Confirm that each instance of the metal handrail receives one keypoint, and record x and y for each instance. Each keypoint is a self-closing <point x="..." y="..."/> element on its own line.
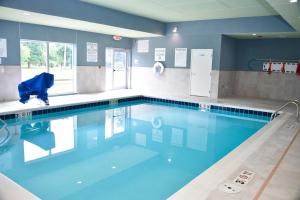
<point x="5" y="124"/>
<point x="4" y="127"/>
<point x="295" y="102"/>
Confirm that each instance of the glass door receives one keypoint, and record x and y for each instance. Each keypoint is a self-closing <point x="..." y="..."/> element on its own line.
<point x="119" y="67"/>
<point x="62" y="66"/>
<point x="53" y="57"/>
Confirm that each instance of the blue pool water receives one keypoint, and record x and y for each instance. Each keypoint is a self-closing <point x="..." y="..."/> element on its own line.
<point x="133" y="151"/>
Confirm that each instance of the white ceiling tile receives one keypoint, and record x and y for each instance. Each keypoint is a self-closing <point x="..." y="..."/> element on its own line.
<point x="184" y="10"/>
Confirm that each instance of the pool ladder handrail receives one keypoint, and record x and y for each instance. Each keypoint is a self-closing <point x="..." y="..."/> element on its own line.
<point x="4" y="124"/>
<point x="4" y="127"/>
<point x="294" y="102"/>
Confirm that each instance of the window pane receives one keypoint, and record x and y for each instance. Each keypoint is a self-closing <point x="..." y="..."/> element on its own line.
<point x="61" y="65"/>
<point x="33" y="58"/>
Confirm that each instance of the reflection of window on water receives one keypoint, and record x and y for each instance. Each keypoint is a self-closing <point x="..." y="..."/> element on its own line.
<point x="114" y="122"/>
<point x="41" y="142"/>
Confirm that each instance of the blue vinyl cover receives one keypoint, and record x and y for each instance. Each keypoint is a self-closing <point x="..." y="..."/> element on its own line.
<point x="38" y="85"/>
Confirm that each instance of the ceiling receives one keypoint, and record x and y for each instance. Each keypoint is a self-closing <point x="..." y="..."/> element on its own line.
<point x="61" y="22"/>
<point x="288" y="11"/>
<point x="279" y="35"/>
<point x="170" y="11"/>
<point x="189" y="10"/>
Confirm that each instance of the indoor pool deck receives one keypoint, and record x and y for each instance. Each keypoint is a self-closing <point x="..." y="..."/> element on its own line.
<point x="272" y="153"/>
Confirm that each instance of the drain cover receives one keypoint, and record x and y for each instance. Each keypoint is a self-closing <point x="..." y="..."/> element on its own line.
<point x="229" y="188"/>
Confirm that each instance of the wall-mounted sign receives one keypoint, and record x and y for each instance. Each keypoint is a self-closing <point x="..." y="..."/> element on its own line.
<point x="180" y="57"/>
<point x="143" y="46"/>
<point x="160" y="54"/>
<point x="3" y="48"/>
<point x="91" y="52"/>
<point x="117" y="37"/>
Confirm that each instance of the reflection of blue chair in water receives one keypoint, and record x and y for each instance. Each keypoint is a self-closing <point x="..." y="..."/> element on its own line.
<point x="38" y="85"/>
<point x="39" y="135"/>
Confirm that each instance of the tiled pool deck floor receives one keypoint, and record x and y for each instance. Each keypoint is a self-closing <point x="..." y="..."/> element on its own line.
<point x="272" y="153"/>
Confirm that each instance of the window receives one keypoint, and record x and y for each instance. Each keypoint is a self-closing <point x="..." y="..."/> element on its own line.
<point x="33" y="58"/>
<point x="53" y="57"/>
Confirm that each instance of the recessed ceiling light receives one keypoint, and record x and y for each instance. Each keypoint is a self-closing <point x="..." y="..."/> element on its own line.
<point x="175" y="29"/>
<point x="254" y="34"/>
<point x="293" y="1"/>
<point x="26" y="14"/>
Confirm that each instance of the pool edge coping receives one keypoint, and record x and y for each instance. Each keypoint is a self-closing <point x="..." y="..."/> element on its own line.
<point x="196" y="185"/>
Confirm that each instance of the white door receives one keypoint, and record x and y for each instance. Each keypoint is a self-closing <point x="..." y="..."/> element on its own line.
<point x="201" y="66"/>
<point x="119" y="69"/>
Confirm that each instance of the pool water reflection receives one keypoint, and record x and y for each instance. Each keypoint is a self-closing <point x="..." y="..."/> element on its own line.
<point x="140" y="151"/>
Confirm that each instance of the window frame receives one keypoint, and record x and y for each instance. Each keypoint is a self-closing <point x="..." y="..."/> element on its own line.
<point x="74" y="61"/>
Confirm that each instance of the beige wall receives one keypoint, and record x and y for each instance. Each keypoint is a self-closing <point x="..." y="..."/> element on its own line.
<point x="173" y="81"/>
<point x="10" y="77"/>
<point x="262" y="85"/>
<point x="91" y="79"/>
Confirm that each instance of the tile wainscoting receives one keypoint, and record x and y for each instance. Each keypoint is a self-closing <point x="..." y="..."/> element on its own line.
<point x="262" y="85"/>
<point x="10" y="77"/>
<point x="91" y="79"/>
<point x="176" y="81"/>
<point x="173" y="81"/>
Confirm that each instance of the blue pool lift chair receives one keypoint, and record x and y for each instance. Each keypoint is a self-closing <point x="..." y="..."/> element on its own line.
<point x="39" y="134"/>
<point x="38" y="86"/>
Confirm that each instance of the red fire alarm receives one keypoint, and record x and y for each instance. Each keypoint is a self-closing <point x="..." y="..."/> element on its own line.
<point x="117" y="37"/>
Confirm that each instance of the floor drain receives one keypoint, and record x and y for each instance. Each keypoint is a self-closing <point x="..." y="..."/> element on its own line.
<point x="229" y="188"/>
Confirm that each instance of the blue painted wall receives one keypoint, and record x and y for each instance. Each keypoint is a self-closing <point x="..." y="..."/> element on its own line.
<point x="208" y="34"/>
<point x="10" y="31"/>
<point x="173" y="41"/>
<point x="103" y="42"/>
<point x="234" y="25"/>
<point x="16" y="31"/>
<point x="76" y="9"/>
<point x="228" y="54"/>
<point x="46" y="33"/>
<point x="264" y="48"/>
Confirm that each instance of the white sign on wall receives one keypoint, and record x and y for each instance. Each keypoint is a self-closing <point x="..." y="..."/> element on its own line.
<point x="160" y="54"/>
<point x="180" y="57"/>
<point x="91" y="52"/>
<point x="3" y="48"/>
<point x="143" y="46"/>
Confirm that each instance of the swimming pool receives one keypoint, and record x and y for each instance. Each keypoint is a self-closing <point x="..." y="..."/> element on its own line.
<point x="134" y="150"/>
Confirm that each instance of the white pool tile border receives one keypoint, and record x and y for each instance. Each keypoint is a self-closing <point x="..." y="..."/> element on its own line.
<point x="10" y="190"/>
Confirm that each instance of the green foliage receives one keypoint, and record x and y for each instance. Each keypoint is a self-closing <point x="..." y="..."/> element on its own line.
<point x="60" y="55"/>
<point x="34" y="54"/>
